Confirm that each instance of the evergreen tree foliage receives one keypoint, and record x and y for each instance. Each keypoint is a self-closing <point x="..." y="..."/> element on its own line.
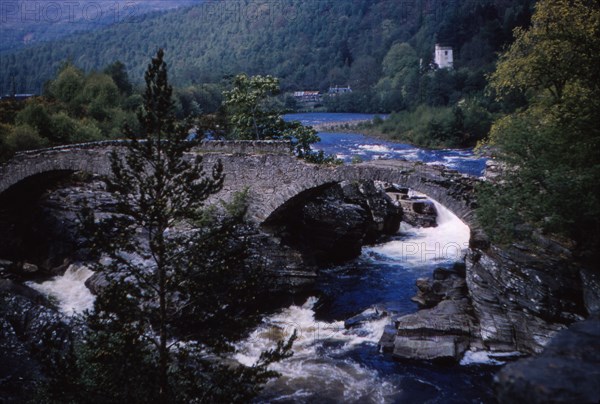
<point x="118" y="72"/>
<point x="176" y="288"/>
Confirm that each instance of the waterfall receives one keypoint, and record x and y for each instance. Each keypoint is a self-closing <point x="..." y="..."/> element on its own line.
<point x="416" y="247"/>
<point x="69" y="290"/>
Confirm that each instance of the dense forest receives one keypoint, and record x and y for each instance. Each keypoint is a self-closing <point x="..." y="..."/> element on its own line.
<point x="25" y="23"/>
<point x="383" y="49"/>
<point x="308" y="44"/>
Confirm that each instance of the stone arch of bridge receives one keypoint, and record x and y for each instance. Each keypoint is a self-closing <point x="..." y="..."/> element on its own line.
<point x="450" y="189"/>
<point x="273" y="177"/>
<point x="29" y="165"/>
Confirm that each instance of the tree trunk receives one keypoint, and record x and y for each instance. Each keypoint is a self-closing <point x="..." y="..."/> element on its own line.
<point x="162" y="296"/>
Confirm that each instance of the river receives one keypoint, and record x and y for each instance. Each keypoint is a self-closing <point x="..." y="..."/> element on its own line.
<point x="348" y="145"/>
<point x="332" y="364"/>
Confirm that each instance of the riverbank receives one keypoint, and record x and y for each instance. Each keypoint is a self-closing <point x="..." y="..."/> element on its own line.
<point x="428" y="127"/>
<point x="411" y="136"/>
<point x="375" y="128"/>
<point x="350" y="126"/>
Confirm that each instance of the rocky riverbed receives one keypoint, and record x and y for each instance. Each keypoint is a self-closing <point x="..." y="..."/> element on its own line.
<point x="523" y="297"/>
<point x="357" y="213"/>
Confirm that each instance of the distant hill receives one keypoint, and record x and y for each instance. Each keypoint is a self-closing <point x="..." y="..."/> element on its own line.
<point x="310" y="44"/>
<point x="27" y="22"/>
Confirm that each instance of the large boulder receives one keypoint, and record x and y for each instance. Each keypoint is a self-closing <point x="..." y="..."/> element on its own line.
<point x="441" y="333"/>
<point x="384" y="215"/>
<point x="445" y="285"/>
<point x="443" y="329"/>
<point x="332" y="225"/>
<point x="568" y="370"/>
<point x="334" y="230"/>
<point x="523" y="294"/>
<point x="419" y="211"/>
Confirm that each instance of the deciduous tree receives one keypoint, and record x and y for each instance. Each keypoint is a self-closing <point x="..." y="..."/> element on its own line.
<point x="551" y="147"/>
<point x="251" y="117"/>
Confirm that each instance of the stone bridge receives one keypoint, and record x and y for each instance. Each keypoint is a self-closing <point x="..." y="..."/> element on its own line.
<point x="519" y="297"/>
<point x="273" y="177"/>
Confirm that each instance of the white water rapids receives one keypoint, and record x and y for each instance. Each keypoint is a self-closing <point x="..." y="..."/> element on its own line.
<point x="423" y="246"/>
<point x="323" y="366"/>
<point x="310" y="369"/>
<point x="320" y="367"/>
<point x="69" y="290"/>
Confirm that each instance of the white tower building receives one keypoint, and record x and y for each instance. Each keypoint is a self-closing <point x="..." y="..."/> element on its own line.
<point x="443" y="57"/>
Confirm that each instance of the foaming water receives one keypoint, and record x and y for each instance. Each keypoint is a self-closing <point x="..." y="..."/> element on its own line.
<point x="376" y="148"/>
<point x="310" y="332"/>
<point x="443" y="244"/>
<point x="69" y="290"/>
<point x="334" y="364"/>
<point x="487" y="357"/>
<point x="319" y="368"/>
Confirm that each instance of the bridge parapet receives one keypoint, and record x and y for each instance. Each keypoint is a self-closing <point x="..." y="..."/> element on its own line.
<point x="93" y="157"/>
<point x="282" y="147"/>
<point x="208" y="146"/>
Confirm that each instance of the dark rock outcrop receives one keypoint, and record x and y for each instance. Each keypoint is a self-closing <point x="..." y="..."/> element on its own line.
<point x="331" y="226"/>
<point x="445" y="285"/>
<point x="568" y="370"/>
<point x="59" y="217"/>
<point x="332" y="230"/>
<point x="384" y="215"/>
<point x="524" y="294"/>
<point x="40" y="221"/>
<point x="442" y="331"/>
<point x="27" y="325"/>
<point x="591" y="290"/>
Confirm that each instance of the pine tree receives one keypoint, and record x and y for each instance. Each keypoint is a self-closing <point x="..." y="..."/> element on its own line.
<point x="169" y="271"/>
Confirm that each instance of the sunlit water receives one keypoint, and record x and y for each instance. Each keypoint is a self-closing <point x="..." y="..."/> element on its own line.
<point x="347" y="146"/>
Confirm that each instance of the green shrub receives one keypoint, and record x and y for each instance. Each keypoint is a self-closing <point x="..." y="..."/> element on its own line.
<point x="25" y="137"/>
